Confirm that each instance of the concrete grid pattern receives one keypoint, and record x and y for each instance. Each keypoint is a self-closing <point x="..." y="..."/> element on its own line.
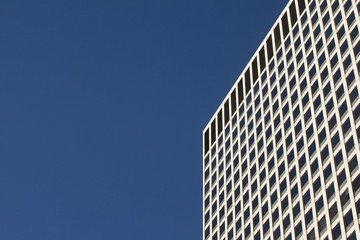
<point x="281" y="153"/>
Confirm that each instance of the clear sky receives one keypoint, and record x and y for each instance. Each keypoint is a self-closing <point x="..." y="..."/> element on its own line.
<point x="103" y="104"/>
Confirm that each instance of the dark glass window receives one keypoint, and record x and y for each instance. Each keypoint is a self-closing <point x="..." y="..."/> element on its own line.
<point x="319" y="204"/>
<point x="264" y="209"/>
<point x="305" y="100"/>
<point x="327" y="172"/>
<point x="330" y="191"/>
<point x="314" y="167"/>
<point x="262" y="174"/>
<point x="349" y="145"/>
<point x="266" y="227"/>
<point x="284" y="204"/>
<point x="292" y="173"/>
<point x="312" y="72"/>
<point x="316" y="185"/>
<point x="304" y="179"/>
<point x="317" y="103"/>
<point x="300" y="144"/>
<point x="296" y="210"/>
<point x="270" y="52"/>
<point x="329" y="106"/>
<point x="322" y="136"/>
<point x="308" y="44"/>
<point x="324" y="154"/>
<point x="272" y="180"/>
<point x="306" y="198"/>
<point x="274" y="197"/>
<point x="275" y="215"/>
<point x="348" y="219"/>
<point x="309" y="132"/>
<point x="254" y="70"/>
<point x="294" y="192"/>
<point x="309" y="217"/>
<point x="353" y="164"/>
<point x="327" y="89"/>
<point x="262" y="59"/>
<point x="356" y="184"/>
<point x="317" y="30"/>
<point x="293" y="15"/>
<point x="324" y="74"/>
<point x="336" y="232"/>
<point x="247" y="81"/>
<point x="307" y="115"/>
<point x="344" y="198"/>
<point x="298" y="229"/>
<point x="306" y="31"/>
<point x="322" y="224"/>
<point x="346" y="126"/>
<point x="319" y="119"/>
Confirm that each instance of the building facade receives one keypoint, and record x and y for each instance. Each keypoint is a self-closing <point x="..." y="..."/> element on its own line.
<point x="281" y="154"/>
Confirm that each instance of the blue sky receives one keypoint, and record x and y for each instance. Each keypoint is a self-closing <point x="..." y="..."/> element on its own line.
<point x="103" y="104"/>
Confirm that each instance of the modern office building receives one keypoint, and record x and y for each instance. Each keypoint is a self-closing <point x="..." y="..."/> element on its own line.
<point x="281" y="154"/>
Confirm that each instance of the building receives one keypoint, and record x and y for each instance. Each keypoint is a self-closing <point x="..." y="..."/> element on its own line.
<point x="281" y="154"/>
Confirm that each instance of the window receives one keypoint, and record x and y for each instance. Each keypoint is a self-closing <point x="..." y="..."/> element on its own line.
<point x="269" y="48"/>
<point x="332" y="122"/>
<point x="317" y="185"/>
<point x="324" y="154"/>
<point x="356" y="184"/>
<point x="294" y="192"/>
<point x="336" y="232"/>
<point x="263" y="191"/>
<point x="266" y="227"/>
<point x="349" y="145"/>
<point x="314" y="167"/>
<point x="308" y="44"/>
<point x="319" y="119"/>
<point x="277" y="233"/>
<point x="298" y="229"/>
<point x="305" y="31"/>
<point x="272" y="180"/>
<point x="262" y="175"/>
<point x="344" y="198"/>
<point x="319" y="45"/>
<point x="309" y="132"/>
<point x="327" y="89"/>
<point x="306" y="200"/>
<point x="305" y="100"/>
<point x="304" y="179"/>
<point x="283" y="186"/>
<point x="329" y="106"/>
<point x="327" y="172"/>
<point x="324" y="74"/>
<point x="265" y="209"/>
<point x="330" y="191"/>
<point x="247" y="81"/>
<point x="275" y="215"/>
<point x="307" y="115"/>
<point x="308" y="217"/>
<point x="296" y="210"/>
<point x="284" y="204"/>
<point x="348" y="219"/>
<point x="353" y="164"/>
<point x="317" y="103"/>
<point x="319" y="204"/>
<point x="322" y="136"/>
<point x="322" y="225"/>
<point x="354" y="33"/>
<point x="292" y="174"/>
<point x="300" y="145"/>
<point x="317" y="31"/>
